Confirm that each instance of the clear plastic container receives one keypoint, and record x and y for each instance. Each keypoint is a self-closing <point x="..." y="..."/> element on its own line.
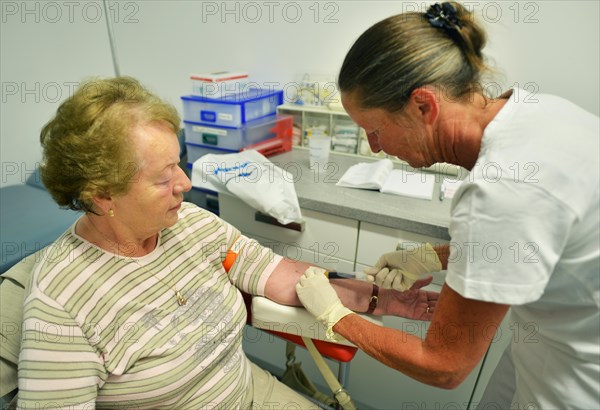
<point x="269" y="136"/>
<point x="232" y="110"/>
<point x="237" y="138"/>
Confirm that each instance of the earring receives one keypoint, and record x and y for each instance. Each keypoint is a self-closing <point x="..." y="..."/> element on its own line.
<point x="111" y="213"/>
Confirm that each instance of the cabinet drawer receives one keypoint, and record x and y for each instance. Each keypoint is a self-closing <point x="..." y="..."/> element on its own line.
<point x="375" y="240"/>
<point x="324" y="234"/>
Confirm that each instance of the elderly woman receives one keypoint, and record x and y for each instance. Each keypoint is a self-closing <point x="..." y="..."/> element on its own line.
<point x="132" y="306"/>
<point x="413" y="82"/>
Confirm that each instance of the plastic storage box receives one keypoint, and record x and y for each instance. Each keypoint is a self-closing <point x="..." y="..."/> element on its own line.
<point x="237" y="138"/>
<point x="232" y="110"/>
<point x="269" y="136"/>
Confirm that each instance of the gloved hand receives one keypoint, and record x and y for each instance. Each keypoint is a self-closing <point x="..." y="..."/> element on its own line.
<point x="319" y="298"/>
<point x="401" y="269"/>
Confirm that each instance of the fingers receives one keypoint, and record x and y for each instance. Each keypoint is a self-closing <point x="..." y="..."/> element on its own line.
<point x="420" y="283"/>
<point x="382" y="262"/>
<point x="380" y="276"/>
<point x="430" y="305"/>
<point x="377" y="270"/>
<point x="432" y="296"/>
<point x="400" y="283"/>
<point x="391" y="279"/>
<point x="312" y="276"/>
<point x="314" y="271"/>
<point x="372" y="271"/>
<point x="384" y="279"/>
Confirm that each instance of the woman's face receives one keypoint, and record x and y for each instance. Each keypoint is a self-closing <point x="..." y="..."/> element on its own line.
<point x="395" y="134"/>
<point x="156" y="194"/>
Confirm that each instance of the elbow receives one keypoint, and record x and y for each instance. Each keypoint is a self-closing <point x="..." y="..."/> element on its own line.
<point x="449" y="382"/>
<point x="449" y="378"/>
<point x="445" y="369"/>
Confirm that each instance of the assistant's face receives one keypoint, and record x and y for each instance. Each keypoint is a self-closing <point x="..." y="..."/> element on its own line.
<point x="395" y="134"/>
<point x="156" y="194"/>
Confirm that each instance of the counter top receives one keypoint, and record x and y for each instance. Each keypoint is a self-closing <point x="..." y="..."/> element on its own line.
<point x="317" y="191"/>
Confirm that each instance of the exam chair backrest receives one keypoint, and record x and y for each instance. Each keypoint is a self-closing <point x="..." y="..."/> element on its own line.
<point x="12" y="291"/>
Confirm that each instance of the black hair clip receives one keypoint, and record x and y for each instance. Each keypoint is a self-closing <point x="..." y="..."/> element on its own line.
<point x="443" y="16"/>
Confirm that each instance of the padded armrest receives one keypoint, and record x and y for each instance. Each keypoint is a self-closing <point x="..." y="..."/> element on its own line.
<point x="269" y="315"/>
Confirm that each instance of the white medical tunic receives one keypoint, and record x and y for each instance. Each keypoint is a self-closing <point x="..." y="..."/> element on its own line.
<point x="524" y="232"/>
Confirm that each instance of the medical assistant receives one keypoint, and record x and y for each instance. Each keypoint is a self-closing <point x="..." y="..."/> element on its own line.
<point x="525" y="232"/>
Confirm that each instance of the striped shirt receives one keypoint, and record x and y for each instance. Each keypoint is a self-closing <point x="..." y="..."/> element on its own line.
<point x="103" y="330"/>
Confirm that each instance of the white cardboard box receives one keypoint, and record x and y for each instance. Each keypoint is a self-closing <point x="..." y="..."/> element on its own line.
<point x="219" y="84"/>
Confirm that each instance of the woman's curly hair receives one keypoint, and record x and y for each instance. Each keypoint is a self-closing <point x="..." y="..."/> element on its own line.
<point x="87" y="150"/>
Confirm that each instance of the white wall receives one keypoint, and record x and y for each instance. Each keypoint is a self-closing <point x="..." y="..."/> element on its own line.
<point x="48" y="47"/>
<point x="45" y="52"/>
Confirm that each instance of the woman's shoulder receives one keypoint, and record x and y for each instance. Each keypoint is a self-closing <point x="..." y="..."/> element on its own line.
<point x="193" y="218"/>
<point x="68" y="251"/>
<point x="191" y="212"/>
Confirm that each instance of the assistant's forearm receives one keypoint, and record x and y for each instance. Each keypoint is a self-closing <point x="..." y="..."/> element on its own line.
<point x="443" y="252"/>
<point x="456" y="340"/>
<point x="399" y="350"/>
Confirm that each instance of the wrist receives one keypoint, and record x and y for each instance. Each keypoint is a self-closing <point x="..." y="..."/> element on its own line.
<point x="373" y="300"/>
<point x="383" y="302"/>
<point x="331" y="317"/>
<point x="384" y="297"/>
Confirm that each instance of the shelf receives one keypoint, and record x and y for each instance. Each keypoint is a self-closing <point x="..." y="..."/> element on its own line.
<point x="309" y="119"/>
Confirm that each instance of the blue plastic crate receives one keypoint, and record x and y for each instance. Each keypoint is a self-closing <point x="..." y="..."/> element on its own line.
<point x="232" y="110"/>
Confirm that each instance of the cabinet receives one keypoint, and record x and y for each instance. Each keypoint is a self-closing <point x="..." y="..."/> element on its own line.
<point x="375" y="240"/>
<point x="327" y="240"/>
<point x="346" y="136"/>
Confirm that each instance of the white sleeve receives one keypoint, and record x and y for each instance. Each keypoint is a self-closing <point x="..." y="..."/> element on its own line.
<point x="506" y="238"/>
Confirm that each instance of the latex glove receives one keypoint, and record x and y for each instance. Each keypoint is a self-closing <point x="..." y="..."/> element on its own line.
<point x="401" y="269"/>
<point x="320" y="299"/>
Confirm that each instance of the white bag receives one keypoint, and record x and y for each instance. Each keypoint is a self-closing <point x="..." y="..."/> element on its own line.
<point x="254" y="179"/>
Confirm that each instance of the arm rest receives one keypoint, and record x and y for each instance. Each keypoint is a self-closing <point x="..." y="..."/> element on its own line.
<point x="293" y="320"/>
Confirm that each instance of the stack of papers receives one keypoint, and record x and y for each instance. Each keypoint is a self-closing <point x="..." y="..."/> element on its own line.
<point x="382" y="176"/>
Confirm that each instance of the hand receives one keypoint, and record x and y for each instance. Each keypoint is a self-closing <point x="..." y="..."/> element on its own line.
<point x="413" y="303"/>
<point x="320" y="299"/>
<point x="401" y="269"/>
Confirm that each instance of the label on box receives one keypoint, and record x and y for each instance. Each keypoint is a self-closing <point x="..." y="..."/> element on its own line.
<point x="225" y="117"/>
<point x="210" y="136"/>
<point x="210" y="139"/>
<point x="209" y="116"/>
<point x="209" y="130"/>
